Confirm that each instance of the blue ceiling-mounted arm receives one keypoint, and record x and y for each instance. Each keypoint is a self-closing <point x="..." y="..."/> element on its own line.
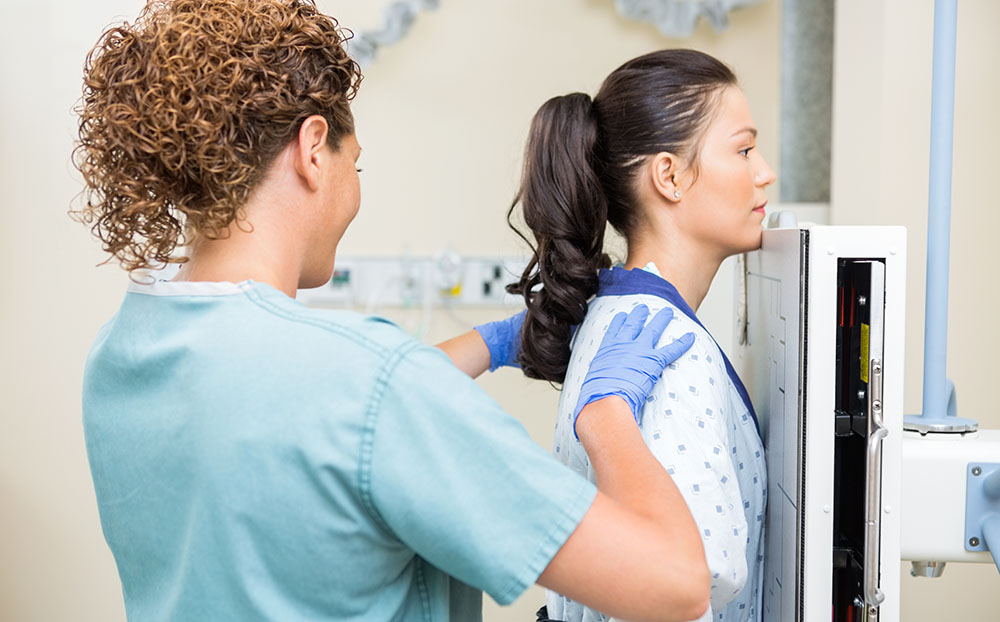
<point x="939" y="403"/>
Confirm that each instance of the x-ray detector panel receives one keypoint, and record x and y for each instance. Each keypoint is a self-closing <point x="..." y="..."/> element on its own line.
<point x="821" y="354"/>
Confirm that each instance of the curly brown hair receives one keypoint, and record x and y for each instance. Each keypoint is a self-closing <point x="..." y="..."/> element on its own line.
<point x="184" y="109"/>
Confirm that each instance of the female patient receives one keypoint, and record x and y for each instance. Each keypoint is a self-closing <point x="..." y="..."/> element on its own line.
<point x="664" y="153"/>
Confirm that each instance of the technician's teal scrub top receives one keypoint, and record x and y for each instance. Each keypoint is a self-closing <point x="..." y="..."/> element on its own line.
<point x="255" y="459"/>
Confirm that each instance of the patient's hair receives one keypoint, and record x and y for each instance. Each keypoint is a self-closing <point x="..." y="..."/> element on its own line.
<point x="579" y="175"/>
<point x="184" y="110"/>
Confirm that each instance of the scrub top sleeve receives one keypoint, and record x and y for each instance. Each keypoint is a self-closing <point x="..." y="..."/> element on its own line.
<point x="462" y="484"/>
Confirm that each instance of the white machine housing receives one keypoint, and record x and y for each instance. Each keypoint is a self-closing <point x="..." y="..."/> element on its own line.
<point x="789" y="362"/>
<point x="934" y="494"/>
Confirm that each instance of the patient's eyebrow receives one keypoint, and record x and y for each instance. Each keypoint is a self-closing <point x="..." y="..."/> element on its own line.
<point x="751" y="130"/>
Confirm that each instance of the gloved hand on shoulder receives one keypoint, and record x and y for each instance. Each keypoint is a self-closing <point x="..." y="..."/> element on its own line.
<point x="628" y="363"/>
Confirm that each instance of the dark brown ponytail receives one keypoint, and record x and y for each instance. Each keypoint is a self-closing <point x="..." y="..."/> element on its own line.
<point x="564" y="206"/>
<point x="579" y="173"/>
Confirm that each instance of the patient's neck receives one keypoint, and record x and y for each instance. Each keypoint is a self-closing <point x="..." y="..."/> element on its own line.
<point x="688" y="266"/>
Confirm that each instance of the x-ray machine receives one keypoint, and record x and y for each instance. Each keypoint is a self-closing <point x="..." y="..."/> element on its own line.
<point x="854" y="487"/>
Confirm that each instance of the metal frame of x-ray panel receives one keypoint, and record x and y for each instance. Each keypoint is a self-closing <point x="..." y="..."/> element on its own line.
<point x="793" y="297"/>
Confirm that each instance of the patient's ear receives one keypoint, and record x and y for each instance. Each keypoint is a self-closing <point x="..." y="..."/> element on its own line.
<point x="310" y="153"/>
<point x="663" y="170"/>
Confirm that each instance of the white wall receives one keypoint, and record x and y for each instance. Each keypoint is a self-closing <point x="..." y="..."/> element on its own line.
<point x="54" y="564"/>
<point x="881" y="146"/>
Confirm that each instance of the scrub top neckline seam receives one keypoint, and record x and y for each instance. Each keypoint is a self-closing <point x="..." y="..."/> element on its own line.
<point x="166" y="288"/>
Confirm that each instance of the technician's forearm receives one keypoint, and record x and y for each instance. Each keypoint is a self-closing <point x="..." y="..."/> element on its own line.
<point x="467" y="352"/>
<point x="627" y="472"/>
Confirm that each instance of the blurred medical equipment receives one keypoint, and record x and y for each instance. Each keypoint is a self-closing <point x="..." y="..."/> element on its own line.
<point x="446" y="278"/>
<point x="854" y="486"/>
<point x="396" y="23"/>
<point x="674" y="18"/>
<point x="678" y="18"/>
<point x="445" y="281"/>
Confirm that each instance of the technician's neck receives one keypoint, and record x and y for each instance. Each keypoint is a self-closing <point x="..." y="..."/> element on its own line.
<point x="242" y="256"/>
<point x="689" y="268"/>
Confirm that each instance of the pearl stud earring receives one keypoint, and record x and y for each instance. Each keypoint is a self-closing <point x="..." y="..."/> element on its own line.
<point x="677" y="194"/>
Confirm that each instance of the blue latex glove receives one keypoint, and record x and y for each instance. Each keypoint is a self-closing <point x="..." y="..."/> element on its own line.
<point x="503" y="338"/>
<point x="628" y="363"/>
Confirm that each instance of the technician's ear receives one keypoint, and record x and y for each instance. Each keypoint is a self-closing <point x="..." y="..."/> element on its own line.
<point x="664" y="169"/>
<point x="310" y="155"/>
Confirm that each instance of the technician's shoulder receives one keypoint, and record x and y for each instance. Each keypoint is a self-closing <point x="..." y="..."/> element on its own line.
<point x="367" y="331"/>
<point x="338" y="328"/>
<point x="404" y="359"/>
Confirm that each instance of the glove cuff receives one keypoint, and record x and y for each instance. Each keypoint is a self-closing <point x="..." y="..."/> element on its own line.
<point x="587" y="398"/>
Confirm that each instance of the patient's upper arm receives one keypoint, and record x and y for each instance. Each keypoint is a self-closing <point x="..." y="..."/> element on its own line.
<point x="686" y="426"/>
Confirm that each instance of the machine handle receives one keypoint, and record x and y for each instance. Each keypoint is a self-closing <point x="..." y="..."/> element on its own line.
<point x="877" y="432"/>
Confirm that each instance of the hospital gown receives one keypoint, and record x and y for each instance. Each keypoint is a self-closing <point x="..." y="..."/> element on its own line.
<point x="699" y="423"/>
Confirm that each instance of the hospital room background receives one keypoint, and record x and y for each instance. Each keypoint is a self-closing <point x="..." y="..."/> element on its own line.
<point x="840" y="92"/>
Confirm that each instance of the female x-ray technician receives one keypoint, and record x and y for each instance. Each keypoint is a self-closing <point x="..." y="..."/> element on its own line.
<point x="254" y="459"/>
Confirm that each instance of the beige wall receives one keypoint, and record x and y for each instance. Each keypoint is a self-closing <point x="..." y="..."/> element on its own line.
<point x="442" y="117"/>
<point x="880" y="176"/>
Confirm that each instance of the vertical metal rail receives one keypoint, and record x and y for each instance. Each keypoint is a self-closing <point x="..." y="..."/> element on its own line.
<point x="938" y="397"/>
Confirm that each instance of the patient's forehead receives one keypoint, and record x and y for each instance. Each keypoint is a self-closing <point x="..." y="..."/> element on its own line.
<point x="732" y="116"/>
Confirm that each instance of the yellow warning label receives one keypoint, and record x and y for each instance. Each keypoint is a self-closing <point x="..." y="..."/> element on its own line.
<point x="864" y="353"/>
